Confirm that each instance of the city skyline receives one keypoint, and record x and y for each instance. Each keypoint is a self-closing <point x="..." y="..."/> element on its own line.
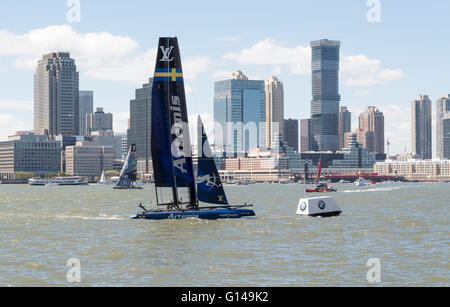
<point x="375" y="68"/>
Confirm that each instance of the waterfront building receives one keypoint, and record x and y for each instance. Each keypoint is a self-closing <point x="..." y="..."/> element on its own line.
<point x="372" y="120"/>
<point x="86" y="106"/>
<point x="88" y="159"/>
<point x="27" y="152"/>
<point x="291" y="130"/>
<point x="56" y="95"/>
<point x="274" y="110"/>
<point x="325" y="93"/>
<point x="239" y="108"/>
<point x="99" y="121"/>
<point x="139" y="132"/>
<point x="415" y="169"/>
<point x="305" y="135"/>
<point x="443" y="127"/>
<point x="345" y="125"/>
<point x="421" y="127"/>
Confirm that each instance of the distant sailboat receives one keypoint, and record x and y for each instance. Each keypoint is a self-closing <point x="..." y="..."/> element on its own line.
<point x="171" y="150"/>
<point x="102" y="178"/>
<point x="128" y="175"/>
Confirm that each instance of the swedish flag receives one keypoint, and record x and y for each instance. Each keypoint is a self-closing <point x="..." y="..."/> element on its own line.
<point x="168" y="74"/>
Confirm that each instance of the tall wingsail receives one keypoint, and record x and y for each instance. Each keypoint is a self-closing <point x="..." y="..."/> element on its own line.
<point x="128" y="174"/>
<point x="209" y="185"/>
<point x="171" y="146"/>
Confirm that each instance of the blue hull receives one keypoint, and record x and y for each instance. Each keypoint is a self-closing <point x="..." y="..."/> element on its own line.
<point x="204" y="214"/>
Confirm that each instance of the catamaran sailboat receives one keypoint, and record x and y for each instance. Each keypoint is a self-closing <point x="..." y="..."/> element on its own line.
<point x="177" y="190"/>
<point x="128" y="175"/>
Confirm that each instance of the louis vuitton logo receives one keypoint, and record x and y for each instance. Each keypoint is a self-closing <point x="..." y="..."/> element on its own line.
<point x="166" y="54"/>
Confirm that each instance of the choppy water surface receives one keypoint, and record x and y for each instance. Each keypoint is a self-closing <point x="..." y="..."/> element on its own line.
<point x="406" y="226"/>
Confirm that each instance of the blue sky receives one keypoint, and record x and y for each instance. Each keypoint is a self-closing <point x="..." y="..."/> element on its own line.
<point x="386" y="64"/>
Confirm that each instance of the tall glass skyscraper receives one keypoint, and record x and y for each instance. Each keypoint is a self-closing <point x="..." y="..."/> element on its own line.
<point x="240" y="102"/>
<point x="56" y="95"/>
<point x="325" y="92"/>
<point x="86" y="107"/>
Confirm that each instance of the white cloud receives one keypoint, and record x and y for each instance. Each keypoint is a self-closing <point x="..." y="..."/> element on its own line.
<point x="222" y="74"/>
<point x="270" y="52"/>
<point x="358" y="70"/>
<point x="99" y="55"/>
<point x="18" y="105"/>
<point x="9" y="125"/>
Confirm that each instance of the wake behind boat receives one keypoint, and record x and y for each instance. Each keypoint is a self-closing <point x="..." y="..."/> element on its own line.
<point x="176" y="187"/>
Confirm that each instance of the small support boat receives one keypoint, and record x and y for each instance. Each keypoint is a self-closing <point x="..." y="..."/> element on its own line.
<point x="321" y="187"/>
<point x="178" y="191"/>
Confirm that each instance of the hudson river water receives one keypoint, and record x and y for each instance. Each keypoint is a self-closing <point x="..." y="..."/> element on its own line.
<point x="405" y="226"/>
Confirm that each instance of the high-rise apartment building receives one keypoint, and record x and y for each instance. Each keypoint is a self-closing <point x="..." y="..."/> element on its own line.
<point x="291" y="133"/>
<point x="86" y="106"/>
<point x="421" y="127"/>
<point x="274" y="110"/>
<point x="443" y="127"/>
<point x="372" y="120"/>
<point x="139" y="132"/>
<point x="325" y="92"/>
<point x="239" y="107"/>
<point x="345" y="125"/>
<point x="56" y="95"/>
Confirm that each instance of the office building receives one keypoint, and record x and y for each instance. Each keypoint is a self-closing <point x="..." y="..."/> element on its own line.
<point x="27" y="152"/>
<point x="86" y="106"/>
<point x="274" y="110"/>
<point x="355" y="156"/>
<point x="326" y="98"/>
<point x="345" y="125"/>
<point x="291" y="130"/>
<point x="88" y="159"/>
<point x="305" y="135"/>
<point x="99" y="121"/>
<point x="139" y="132"/>
<point x="56" y="95"/>
<point x="421" y="127"/>
<point x="239" y="107"/>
